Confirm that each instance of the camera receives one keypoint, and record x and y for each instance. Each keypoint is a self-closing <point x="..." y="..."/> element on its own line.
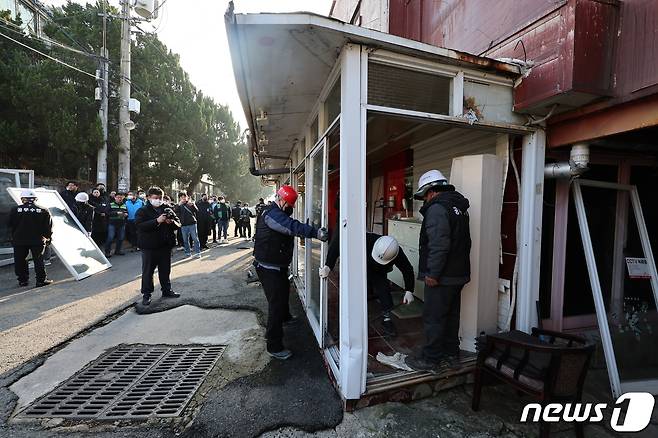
<point x="171" y="214"/>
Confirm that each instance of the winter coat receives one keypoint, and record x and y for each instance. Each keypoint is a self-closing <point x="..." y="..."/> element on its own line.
<point x="101" y="207"/>
<point x="222" y="212"/>
<point x="86" y="216"/>
<point x="445" y="240"/>
<point x="376" y="269"/>
<point x="69" y="198"/>
<point x="275" y="236"/>
<point x="117" y="213"/>
<point x="150" y="233"/>
<point x="132" y="206"/>
<point x="30" y="225"/>
<point x="187" y="213"/>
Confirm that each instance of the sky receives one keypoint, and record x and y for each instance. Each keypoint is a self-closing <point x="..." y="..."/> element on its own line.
<point x="195" y="30"/>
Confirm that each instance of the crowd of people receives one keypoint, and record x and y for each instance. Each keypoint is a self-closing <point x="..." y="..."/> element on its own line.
<point x="110" y="218"/>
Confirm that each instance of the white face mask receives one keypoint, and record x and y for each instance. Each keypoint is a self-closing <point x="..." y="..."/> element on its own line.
<point x="156" y="202"/>
<point x="131" y="197"/>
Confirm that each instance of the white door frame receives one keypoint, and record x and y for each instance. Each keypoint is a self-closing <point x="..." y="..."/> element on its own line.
<point x="618" y="387"/>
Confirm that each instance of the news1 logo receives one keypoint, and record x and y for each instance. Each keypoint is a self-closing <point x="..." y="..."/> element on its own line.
<point x="638" y="412"/>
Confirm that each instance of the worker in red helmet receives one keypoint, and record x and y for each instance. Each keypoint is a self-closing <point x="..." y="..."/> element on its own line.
<point x="273" y="248"/>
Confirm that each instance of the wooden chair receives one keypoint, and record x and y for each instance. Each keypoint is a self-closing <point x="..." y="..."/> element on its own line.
<point x="547" y="365"/>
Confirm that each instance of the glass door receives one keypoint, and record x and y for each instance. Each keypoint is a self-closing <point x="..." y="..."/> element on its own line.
<point x="626" y="308"/>
<point x="316" y="211"/>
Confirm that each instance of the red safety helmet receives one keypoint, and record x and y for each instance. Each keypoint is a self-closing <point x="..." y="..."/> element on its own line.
<point x="288" y="194"/>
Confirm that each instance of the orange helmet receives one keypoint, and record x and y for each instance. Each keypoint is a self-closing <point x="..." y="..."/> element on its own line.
<point x="288" y="194"/>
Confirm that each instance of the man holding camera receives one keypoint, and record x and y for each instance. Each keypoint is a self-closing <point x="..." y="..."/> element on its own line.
<point x="156" y="235"/>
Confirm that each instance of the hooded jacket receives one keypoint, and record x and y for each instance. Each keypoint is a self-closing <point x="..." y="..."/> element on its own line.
<point x="445" y="240"/>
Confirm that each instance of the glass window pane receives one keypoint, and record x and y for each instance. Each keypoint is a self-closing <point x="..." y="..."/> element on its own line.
<point x="28" y="17"/>
<point x="333" y="102"/>
<point x="8" y="5"/>
<point x="314" y="246"/>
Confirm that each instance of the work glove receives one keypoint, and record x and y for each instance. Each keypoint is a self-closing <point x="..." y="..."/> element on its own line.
<point x="408" y="297"/>
<point x="324" y="271"/>
<point x="323" y="234"/>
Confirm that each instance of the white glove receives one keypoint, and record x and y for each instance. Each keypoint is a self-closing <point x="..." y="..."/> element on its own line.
<point x="408" y="298"/>
<point x="324" y="271"/>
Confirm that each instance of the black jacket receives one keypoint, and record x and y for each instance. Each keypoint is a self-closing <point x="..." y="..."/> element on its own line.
<point x="235" y="212"/>
<point x="222" y="212"/>
<point x="151" y="234"/>
<point x="205" y="213"/>
<point x="69" y="197"/>
<point x="187" y="213"/>
<point x="30" y="225"/>
<point x="86" y="215"/>
<point x="101" y="207"/>
<point x="445" y="240"/>
<point x="375" y="269"/>
<point x="275" y="236"/>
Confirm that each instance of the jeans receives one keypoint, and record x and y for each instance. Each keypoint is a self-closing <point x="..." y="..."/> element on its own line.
<point x="441" y="321"/>
<point x="156" y="258"/>
<point x="223" y="228"/>
<point x="277" y="290"/>
<point x="118" y="232"/>
<point x="20" y="262"/>
<point x="190" y="231"/>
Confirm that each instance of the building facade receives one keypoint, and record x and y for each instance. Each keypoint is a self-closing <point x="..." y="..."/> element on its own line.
<point x="33" y="15"/>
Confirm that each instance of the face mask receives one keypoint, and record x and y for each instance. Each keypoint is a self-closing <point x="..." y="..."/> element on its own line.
<point x="142" y="196"/>
<point x="131" y="197"/>
<point x="288" y="210"/>
<point x="156" y="202"/>
<point x="222" y="202"/>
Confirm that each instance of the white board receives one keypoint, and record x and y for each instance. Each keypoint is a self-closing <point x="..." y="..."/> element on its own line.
<point x="71" y="243"/>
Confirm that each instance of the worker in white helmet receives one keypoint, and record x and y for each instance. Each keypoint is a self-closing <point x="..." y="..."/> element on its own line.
<point x="31" y="228"/>
<point x="385" y="253"/>
<point x="444" y="266"/>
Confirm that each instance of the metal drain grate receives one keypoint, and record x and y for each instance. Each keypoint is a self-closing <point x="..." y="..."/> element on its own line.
<point x="130" y="382"/>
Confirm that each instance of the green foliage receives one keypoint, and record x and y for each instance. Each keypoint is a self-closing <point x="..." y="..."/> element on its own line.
<point x="49" y="118"/>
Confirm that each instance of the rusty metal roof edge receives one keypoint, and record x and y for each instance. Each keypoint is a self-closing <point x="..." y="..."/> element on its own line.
<point x="369" y="36"/>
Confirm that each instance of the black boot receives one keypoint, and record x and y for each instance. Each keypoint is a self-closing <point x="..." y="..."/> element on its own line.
<point x="146" y="299"/>
<point x="43" y="283"/>
<point x="388" y="326"/>
<point x="170" y="294"/>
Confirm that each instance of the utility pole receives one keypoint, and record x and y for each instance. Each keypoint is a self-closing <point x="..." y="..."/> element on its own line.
<point x="101" y="163"/>
<point x="123" y="184"/>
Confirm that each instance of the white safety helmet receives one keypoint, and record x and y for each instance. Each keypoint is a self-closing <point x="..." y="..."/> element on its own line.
<point x="386" y="249"/>
<point x="82" y="197"/>
<point x="28" y="193"/>
<point x="432" y="179"/>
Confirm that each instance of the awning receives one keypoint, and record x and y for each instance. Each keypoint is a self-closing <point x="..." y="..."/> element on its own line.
<point x="282" y="61"/>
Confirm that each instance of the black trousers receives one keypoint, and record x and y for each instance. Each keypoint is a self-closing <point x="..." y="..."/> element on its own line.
<point x="156" y="258"/>
<point x="381" y="287"/>
<point x="20" y="262"/>
<point x="203" y="230"/>
<point x="246" y="228"/>
<point x="213" y="224"/>
<point x="237" y="228"/>
<point x="131" y="233"/>
<point x="277" y="290"/>
<point x="441" y="321"/>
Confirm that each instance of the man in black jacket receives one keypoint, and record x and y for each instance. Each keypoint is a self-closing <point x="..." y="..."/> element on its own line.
<point x="444" y="265"/>
<point x="205" y="220"/>
<point x="68" y="195"/>
<point x="235" y="214"/>
<point x="31" y="228"/>
<point x="187" y="212"/>
<point x="385" y="253"/>
<point x="156" y="235"/>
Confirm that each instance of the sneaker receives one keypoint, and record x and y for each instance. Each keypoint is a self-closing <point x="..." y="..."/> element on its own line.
<point x="146" y="299"/>
<point x="187" y="254"/>
<point x="292" y="321"/>
<point x="170" y="294"/>
<point x="108" y="254"/>
<point x="47" y="263"/>
<point x="389" y="327"/>
<point x="420" y="364"/>
<point x="281" y="355"/>
<point x="198" y="256"/>
<point x="23" y="283"/>
<point x="43" y="283"/>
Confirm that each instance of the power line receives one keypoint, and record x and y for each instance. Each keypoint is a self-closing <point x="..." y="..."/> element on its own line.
<point x="48" y="56"/>
<point x="7" y="25"/>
